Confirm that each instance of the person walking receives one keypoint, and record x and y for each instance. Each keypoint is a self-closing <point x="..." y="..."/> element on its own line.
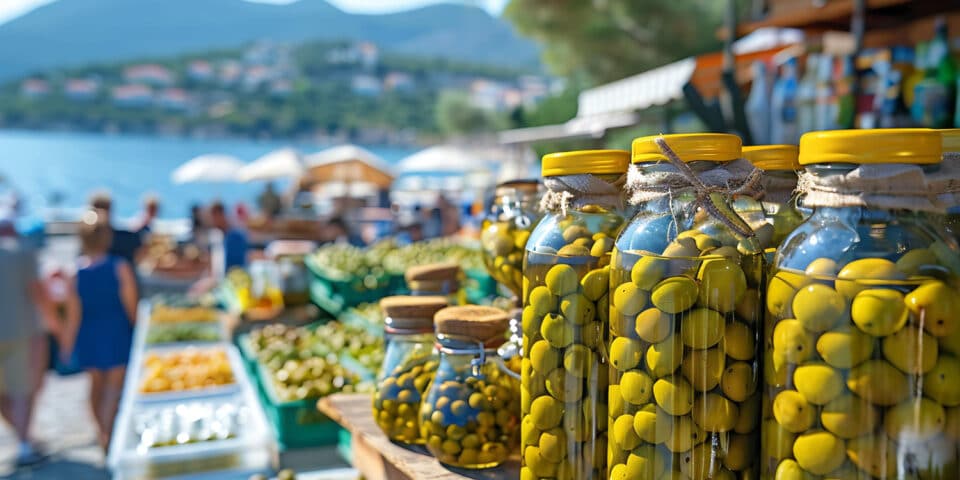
<point x="23" y="347"/>
<point x="101" y="310"/>
<point x="124" y="243"/>
<point x="228" y="245"/>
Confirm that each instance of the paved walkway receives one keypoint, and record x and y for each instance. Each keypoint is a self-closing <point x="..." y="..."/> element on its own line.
<point x="64" y="425"/>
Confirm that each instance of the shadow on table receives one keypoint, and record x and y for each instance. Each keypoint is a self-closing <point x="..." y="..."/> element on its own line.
<point x="57" y="469"/>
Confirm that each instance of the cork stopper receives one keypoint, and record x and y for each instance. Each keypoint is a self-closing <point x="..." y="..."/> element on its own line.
<point x="483" y="324"/>
<point x="433" y="272"/>
<point x="405" y="312"/>
<point x="524" y="187"/>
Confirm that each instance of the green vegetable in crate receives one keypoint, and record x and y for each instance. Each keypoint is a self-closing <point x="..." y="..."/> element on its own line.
<point x="862" y="316"/>
<point x="471" y="415"/>
<point x="179" y="332"/>
<point x="408" y="367"/>
<point x="684" y="290"/>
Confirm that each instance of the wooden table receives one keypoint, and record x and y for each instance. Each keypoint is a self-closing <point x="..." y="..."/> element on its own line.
<point x="377" y="458"/>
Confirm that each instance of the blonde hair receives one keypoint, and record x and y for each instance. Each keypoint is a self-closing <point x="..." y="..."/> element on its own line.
<point x="95" y="232"/>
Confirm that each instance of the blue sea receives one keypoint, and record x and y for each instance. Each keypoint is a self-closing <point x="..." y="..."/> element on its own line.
<point x="41" y="166"/>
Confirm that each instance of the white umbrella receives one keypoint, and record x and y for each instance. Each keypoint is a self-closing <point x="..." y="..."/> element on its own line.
<point x="349" y="164"/>
<point x="445" y="159"/>
<point x="212" y="167"/>
<point x="282" y="163"/>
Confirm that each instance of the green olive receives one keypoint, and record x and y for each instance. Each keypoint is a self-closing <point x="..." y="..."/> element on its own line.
<point x="918" y="419"/>
<point x="911" y="262"/>
<point x="789" y="469"/>
<point x="650" y="426"/>
<point x="879" y="311"/>
<point x="878" y="382"/>
<point x="646" y="461"/>
<point x="819" y="452"/>
<point x="596" y="283"/>
<point x="543" y="357"/>
<point x="738" y="382"/>
<point x="873" y="454"/>
<point x="818" y="307"/>
<point x="781" y="290"/>
<point x="702" y="328"/>
<point x="629" y="300"/>
<point x="684" y="435"/>
<point x="822" y="267"/>
<point x="553" y="445"/>
<point x="778" y="441"/>
<point x="674" y="395"/>
<point x="546" y="412"/>
<point x="942" y="383"/>
<point x="539" y="466"/>
<point x="699" y="463"/>
<point x="714" y="413"/>
<point x="722" y="284"/>
<point x="577" y="308"/>
<point x="674" y="294"/>
<point x="791" y="341"/>
<point x="653" y="325"/>
<point x="561" y="280"/>
<point x="818" y="382"/>
<point x="564" y="386"/>
<point x="623" y="433"/>
<point x="738" y="341"/>
<point x="740" y="452"/>
<point x="845" y="347"/>
<point x="849" y="416"/>
<point x="703" y="368"/>
<point x="854" y="277"/>
<point x="793" y="412"/>
<point x="541" y="301"/>
<point x="579" y="360"/>
<point x="647" y="272"/>
<point x="625" y="353"/>
<point x="952" y="426"/>
<point x="937" y="306"/>
<point x="749" y="416"/>
<point x="663" y="358"/>
<point x="911" y="350"/>
<point x="556" y="330"/>
<point x="636" y="387"/>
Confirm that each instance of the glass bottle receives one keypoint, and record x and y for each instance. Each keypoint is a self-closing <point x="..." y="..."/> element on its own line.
<point x="860" y="372"/>
<point x="408" y="366"/>
<point x="443" y="279"/>
<point x="566" y="279"/>
<point x="781" y="205"/>
<point x="685" y="287"/>
<point x="471" y="415"/>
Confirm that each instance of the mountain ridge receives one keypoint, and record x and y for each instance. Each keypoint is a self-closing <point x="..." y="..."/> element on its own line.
<point x="93" y="31"/>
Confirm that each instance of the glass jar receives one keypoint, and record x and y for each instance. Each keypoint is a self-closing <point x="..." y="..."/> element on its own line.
<point x="781" y="204"/>
<point x="505" y="231"/>
<point x="565" y="271"/>
<point x="408" y="366"/>
<point x="861" y="374"/>
<point x="684" y="325"/>
<point x="471" y="416"/>
<point x="951" y="153"/>
<point x="442" y="279"/>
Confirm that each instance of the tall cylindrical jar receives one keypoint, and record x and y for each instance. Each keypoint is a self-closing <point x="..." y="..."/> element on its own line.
<point x="566" y="279"/>
<point x="471" y="415"/>
<point x="443" y="279"/>
<point x="684" y="317"/>
<point x="781" y="204"/>
<point x="861" y="374"/>
<point x="506" y="229"/>
<point x="409" y="364"/>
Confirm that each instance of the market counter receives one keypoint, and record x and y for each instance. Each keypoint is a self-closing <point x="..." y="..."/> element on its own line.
<point x="376" y="457"/>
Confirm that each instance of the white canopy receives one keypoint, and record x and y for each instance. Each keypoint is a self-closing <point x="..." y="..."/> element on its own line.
<point x="349" y="164"/>
<point x="446" y="159"/>
<point x="212" y="167"/>
<point x="282" y="163"/>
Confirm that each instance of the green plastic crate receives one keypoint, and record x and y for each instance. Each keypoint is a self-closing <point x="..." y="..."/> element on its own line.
<point x="334" y="293"/>
<point x="297" y="423"/>
<point x="479" y="285"/>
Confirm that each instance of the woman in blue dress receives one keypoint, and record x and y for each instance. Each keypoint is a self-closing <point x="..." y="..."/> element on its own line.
<point x="101" y="310"/>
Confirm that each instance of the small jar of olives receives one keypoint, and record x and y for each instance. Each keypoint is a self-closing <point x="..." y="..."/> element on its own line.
<point x="503" y="236"/>
<point x="471" y="415"/>
<point x="862" y="341"/>
<point x="437" y="279"/>
<point x="781" y="204"/>
<point x="566" y="279"/>
<point x="684" y="323"/>
<point x="408" y="365"/>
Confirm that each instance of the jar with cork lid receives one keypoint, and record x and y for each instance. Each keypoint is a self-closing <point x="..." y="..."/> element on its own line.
<point x="471" y="415"/>
<point x="442" y="279"/>
<point x="408" y="366"/>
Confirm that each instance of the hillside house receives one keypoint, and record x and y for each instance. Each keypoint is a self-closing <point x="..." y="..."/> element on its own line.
<point x="34" y="88"/>
<point x="149" y="74"/>
<point x="132" y="95"/>
<point x="81" y="89"/>
<point x="200" y="70"/>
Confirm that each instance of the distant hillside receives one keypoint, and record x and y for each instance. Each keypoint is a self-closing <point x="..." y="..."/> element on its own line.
<point x="75" y="32"/>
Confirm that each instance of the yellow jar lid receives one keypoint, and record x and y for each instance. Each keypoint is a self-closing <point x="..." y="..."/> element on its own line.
<point x="773" y="157"/>
<point x="951" y="140"/>
<point x="919" y="146"/>
<point x="716" y="147"/>
<point x="579" y="162"/>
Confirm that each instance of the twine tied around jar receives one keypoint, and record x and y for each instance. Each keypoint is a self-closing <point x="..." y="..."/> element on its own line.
<point x="577" y="191"/>
<point x="949" y="194"/>
<point x="896" y="186"/>
<point x="712" y="188"/>
<point x="777" y="189"/>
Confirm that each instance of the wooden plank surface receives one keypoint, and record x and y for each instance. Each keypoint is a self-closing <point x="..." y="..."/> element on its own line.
<point x="377" y="458"/>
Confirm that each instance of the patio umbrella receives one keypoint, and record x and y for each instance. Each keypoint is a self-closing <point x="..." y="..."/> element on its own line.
<point x="282" y="163"/>
<point x="212" y="167"/>
<point x="348" y="164"/>
<point x="442" y="159"/>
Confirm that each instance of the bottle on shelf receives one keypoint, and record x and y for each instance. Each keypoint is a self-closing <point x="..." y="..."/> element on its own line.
<point x="807" y="96"/>
<point x="758" y="104"/>
<point x="826" y="101"/>
<point x="846" y="110"/>
<point x="783" y="105"/>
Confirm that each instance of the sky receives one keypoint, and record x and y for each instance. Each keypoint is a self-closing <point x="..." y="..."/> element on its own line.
<point x="13" y="8"/>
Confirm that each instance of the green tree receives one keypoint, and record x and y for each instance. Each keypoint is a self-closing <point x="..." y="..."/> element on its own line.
<point x="607" y="40"/>
<point x="456" y="115"/>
